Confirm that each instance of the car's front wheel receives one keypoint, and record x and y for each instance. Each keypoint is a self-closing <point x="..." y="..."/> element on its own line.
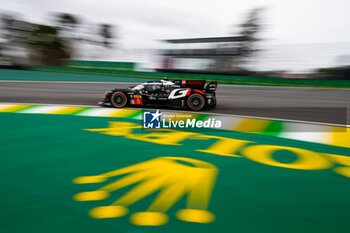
<point x="196" y="102"/>
<point x="119" y="99"/>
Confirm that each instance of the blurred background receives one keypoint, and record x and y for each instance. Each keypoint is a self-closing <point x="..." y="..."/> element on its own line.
<point x="288" y="39"/>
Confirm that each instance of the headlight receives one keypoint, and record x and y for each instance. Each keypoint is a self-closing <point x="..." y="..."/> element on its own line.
<point x="107" y="93"/>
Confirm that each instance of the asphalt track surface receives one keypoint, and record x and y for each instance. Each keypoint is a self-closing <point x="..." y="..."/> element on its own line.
<point x="324" y="105"/>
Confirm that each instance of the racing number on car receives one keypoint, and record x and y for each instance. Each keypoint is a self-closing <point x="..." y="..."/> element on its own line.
<point x="178" y="93"/>
<point x="137" y="100"/>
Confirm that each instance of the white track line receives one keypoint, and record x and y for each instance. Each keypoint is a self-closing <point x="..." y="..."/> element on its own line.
<point x="206" y="113"/>
<point x="63" y="105"/>
<point x="5" y="105"/>
<point x="97" y="112"/>
<point x="41" y="109"/>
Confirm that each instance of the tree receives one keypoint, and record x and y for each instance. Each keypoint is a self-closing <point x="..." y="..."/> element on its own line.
<point x="14" y="30"/>
<point x="47" y="47"/>
<point x="105" y="31"/>
<point x="65" y="20"/>
<point x="249" y="31"/>
<point x="246" y="37"/>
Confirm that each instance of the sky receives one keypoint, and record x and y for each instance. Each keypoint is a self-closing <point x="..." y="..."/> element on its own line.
<point x="141" y="22"/>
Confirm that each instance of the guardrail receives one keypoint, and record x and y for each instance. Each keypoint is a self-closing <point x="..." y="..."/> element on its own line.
<point x="224" y="79"/>
<point x="100" y="64"/>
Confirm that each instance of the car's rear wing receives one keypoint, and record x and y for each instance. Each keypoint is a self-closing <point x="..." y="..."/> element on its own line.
<point x="195" y="84"/>
<point x="211" y="87"/>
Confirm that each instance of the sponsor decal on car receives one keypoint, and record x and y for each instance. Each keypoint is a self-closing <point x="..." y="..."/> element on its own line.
<point x="137" y="100"/>
<point x="196" y="82"/>
<point x="179" y="93"/>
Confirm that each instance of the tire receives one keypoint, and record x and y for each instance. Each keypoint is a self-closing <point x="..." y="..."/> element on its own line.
<point x="119" y="99"/>
<point x="215" y="103"/>
<point x="196" y="102"/>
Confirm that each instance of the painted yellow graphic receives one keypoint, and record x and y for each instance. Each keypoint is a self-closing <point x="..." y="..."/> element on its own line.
<point x="172" y="177"/>
<point x="231" y="147"/>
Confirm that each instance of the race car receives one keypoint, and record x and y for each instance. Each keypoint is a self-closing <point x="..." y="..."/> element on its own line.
<point x="192" y="94"/>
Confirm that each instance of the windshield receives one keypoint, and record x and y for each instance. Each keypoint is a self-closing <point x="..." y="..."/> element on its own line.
<point x="137" y="87"/>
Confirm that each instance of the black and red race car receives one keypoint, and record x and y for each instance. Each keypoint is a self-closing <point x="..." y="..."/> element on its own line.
<point x="192" y="94"/>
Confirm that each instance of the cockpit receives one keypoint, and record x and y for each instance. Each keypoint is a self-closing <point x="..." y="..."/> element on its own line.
<point x="138" y="87"/>
<point x="153" y="86"/>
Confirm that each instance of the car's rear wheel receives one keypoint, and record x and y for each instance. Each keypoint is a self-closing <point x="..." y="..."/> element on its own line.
<point x="119" y="99"/>
<point x="196" y="102"/>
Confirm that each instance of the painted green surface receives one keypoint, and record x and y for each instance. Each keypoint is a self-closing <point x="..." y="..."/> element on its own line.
<point x="240" y="80"/>
<point x="25" y="75"/>
<point x="104" y="75"/>
<point x="41" y="155"/>
<point x="101" y="64"/>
